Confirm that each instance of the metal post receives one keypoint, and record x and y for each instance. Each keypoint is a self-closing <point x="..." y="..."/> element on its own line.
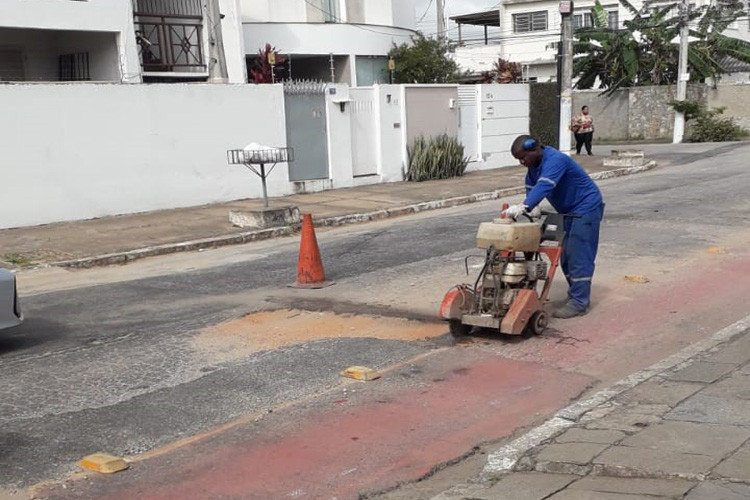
<point x="682" y="75"/>
<point x="566" y="76"/>
<point x="440" y="18"/>
<point x="263" y="180"/>
<point x="333" y="68"/>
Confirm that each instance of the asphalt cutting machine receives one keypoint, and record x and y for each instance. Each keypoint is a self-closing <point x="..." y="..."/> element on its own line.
<point x="505" y="297"/>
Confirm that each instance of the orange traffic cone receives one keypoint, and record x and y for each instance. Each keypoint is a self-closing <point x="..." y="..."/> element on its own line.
<point x="310" y="273"/>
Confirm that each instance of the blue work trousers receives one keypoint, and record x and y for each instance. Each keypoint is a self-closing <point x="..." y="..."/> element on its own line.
<point x="579" y="253"/>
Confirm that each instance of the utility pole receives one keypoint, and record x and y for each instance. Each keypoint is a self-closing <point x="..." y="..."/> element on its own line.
<point x="566" y="75"/>
<point x="440" y="18"/>
<point x="217" y="61"/>
<point x="682" y="74"/>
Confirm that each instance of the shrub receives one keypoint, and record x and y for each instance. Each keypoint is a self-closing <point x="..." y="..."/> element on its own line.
<point x="544" y="113"/>
<point x="707" y="124"/>
<point x="440" y="157"/>
<point x="711" y="127"/>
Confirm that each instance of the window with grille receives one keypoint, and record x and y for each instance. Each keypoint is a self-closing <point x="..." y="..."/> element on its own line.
<point x="74" y="67"/>
<point x="585" y="20"/>
<point x="613" y="20"/>
<point x="530" y="21"/>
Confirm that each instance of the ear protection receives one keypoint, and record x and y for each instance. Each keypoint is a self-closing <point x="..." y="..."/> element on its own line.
<point x="529" y="144"/>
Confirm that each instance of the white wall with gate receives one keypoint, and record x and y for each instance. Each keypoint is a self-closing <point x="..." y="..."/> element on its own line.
<point x="88" y="150"/>
<point x="503" y="115"/>
<point x="77" y="151"/>
<point x="363" y="106"/>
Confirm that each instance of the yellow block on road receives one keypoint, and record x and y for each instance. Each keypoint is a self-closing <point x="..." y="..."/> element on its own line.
<point x="361" y="373"/>
<point x="101" y="462"/>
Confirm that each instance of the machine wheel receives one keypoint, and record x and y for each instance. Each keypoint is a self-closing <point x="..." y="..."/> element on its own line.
<point x="538" y="323"/>
<point x="458" y="329"/>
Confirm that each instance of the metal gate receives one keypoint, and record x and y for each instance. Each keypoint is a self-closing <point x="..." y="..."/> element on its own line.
<point x="364" y="131"/>
<point x="468" y="120"/>
<point x="306" y="130"/>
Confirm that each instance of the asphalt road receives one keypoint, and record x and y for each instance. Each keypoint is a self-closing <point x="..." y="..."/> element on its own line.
<point x="114" y="367"/>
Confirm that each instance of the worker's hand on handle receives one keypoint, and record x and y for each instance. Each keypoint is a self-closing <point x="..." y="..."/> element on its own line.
<point x="515" y="210"/>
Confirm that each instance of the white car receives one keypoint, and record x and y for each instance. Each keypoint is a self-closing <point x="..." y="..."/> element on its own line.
<point x="10" y="311"/>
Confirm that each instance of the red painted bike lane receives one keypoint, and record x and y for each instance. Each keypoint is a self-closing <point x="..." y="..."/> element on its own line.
<point x="462" y="396"/>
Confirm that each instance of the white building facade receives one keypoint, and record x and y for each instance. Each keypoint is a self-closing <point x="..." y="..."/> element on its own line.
<point x="122" y="41"/>
<point x="341" y="41"/>
<point x="528" y="32"/>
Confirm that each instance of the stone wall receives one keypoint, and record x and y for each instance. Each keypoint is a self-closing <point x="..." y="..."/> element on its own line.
<point x="608" y="112"/>
<point x="736" y="100"/>
<point x="637" y="113"/>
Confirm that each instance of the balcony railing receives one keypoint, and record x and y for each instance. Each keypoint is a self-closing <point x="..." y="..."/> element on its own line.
<point x="170" y="35"/>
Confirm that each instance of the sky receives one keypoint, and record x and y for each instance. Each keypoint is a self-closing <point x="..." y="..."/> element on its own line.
<point x="428" y="24"/>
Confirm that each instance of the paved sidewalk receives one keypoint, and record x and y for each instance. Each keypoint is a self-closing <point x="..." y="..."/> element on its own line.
<point x="677" y="432"/>
<point x="119" y="239"/>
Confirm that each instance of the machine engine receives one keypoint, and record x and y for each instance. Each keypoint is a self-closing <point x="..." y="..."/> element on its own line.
<point x="505" y="295"/>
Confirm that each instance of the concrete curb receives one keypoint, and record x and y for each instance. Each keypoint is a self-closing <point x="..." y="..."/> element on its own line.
<point x="504" y="459"/>
<point x="264" y="234"/>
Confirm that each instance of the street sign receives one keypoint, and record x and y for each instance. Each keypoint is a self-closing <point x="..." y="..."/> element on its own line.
<point x="566" y="7"/>
<point x="272" y="58"/>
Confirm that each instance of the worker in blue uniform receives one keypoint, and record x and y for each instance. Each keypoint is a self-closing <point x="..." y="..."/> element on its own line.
<point x="569" y="189"/>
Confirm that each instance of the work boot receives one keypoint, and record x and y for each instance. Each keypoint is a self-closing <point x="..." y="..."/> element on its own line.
<point x="569" y="311"/>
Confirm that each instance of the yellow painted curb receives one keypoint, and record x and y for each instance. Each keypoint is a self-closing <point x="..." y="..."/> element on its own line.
<point x="360" y="373"/>
<point x="101" y="462"/>
<point x="637" y="278"/>
<point x="717" y="250"/>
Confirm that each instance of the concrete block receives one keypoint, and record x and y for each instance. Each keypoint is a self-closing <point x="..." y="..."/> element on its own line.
<point x="735" y="352"/>
<point x="361" y="373"/>
<point x="624" y="421"/>
<point x="712" y="410"/>
<point x="736" y="386"/>
<point x="265" y="217"/>
<point x="602" y="436"/>
<point x="736" y="467"/>
<point x="624" y="158"/>
<point x="660" y="392"/>
<point x="703" y="372"/>
<point x="719" y="490"/>
<point x="633" y="462"/>
<point x="627" y="153"/>
<point x="689" y="437"/>
<point x="104" y="463"/>
<point x="597" y="495"/>
<point x="527" y="486"/>
<point x="675" y="488"/>
<point x="574" y="453"/>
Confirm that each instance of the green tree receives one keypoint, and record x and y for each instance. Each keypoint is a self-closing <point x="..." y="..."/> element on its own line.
<point x="643" y="53"/>
<point x="425" y="60"/>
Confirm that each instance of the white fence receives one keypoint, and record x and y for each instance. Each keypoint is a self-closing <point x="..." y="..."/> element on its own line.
<point x="77" y="151"/>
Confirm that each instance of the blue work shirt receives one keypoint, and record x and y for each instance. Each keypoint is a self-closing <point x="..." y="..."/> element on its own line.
<point x="563" y="182"/>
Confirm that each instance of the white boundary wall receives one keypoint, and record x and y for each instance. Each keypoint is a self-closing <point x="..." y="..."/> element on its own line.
<point x="80" y="151"/>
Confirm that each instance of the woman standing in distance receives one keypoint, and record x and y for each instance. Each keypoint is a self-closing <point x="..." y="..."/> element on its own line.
<point x="583" y="128"/>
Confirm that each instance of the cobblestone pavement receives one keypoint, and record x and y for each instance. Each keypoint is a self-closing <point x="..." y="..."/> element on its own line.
<point x="682" y="433"/>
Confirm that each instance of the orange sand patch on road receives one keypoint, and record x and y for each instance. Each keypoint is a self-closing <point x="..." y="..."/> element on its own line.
<point x="274" y="329"/>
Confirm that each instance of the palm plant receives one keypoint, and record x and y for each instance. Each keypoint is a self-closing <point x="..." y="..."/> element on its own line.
<point x="643" y="53"/>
